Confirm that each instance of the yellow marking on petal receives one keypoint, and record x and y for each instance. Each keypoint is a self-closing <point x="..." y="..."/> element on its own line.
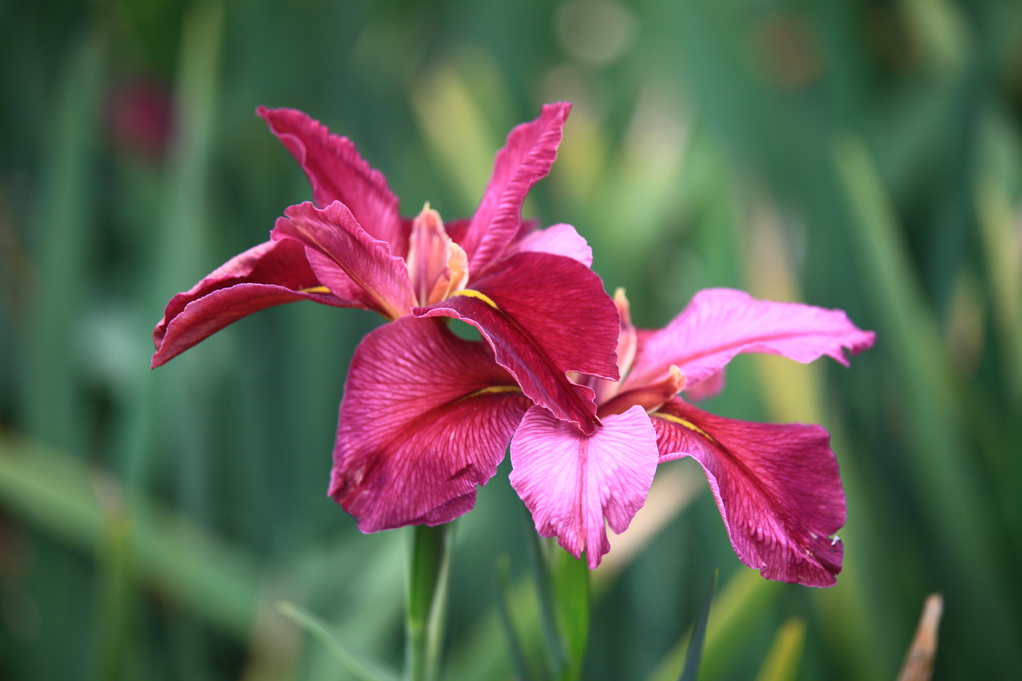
<point x="493" y="389"/>
<point x="687" y="424"/>
<point x="472" y="293"/>
<point x="315" y="289"/>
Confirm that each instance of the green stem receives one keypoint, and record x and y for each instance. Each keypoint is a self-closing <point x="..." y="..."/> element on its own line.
<point x="427" y="597"/>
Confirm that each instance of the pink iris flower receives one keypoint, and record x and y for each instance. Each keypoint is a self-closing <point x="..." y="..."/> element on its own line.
<point x="777" y="486"/>
<point x="521" y="288"/>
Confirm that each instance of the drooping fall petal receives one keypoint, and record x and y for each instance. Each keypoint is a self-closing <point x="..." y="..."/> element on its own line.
<point x="346" y="260"/>
<point x="777" y="488"/>
<point x="426" y="418"/>
<point x="526" y="158"/>
<point x="337" y="172"/>
<point x="544" y="315"/>
<point x="721" y="323"/>
<point x="271" y="273"/>
<point x="560" y="239"/>
<point x="571" y="482"/>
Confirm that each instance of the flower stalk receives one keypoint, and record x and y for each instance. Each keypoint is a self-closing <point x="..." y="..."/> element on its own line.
<point x="427" y="601"/>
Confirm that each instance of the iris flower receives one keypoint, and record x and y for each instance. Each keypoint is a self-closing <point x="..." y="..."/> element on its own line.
<point x="350" y="248"/>
<point x="419" y="431"/>
<point x="777" y="486"/>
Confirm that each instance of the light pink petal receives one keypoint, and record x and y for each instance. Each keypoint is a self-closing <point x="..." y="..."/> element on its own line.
<point x="526" y="158"/>
<point x="571" y="482"/>
<point x="707" y="388"/>
<point x="337" y="172"/>
<point x="346" y="259"/>
<point x="270" y="274"/>
<point x="721" y="323"/>
<point x="777" y="487"/>
<point x="426" y="418"/>
<point x="559" y="239"/>
<point x="544" y="315"/>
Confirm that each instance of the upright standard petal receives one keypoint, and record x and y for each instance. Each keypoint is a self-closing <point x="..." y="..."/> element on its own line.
<point x="337" y="172"/>
<point x="347" y="260"/>
<point x="526" y="158"/>
<point x="571" y="482"/>
<point x="270" y="274"/>
<point x="721" y="323"/>
<point x="777" y="488"/>
<point x="426" y="418"/>
<point x="544" y="315"/>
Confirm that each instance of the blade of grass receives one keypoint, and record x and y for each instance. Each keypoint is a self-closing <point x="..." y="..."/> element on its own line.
<point x="363" y="669"/>
<point x="1000" y="245"/>
<point x="949" y="490"/>
<point x="572" y="591"/>
<point x="181" y="258"/>
<point x="504" y="597"/>
<point x="52" y="409"/>
<point x="541" y="558"/>
<point x="694" y="656"/>
<point x="742" y="603"/>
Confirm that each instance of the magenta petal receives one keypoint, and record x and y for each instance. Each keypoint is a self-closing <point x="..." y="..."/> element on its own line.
<point x="270" y="274"/>
<point x="571" y="481"/>
<point x="426" y="417"/>
<point x="337" y="172"/>
<point x="558" y="239"/>
<point x="544" y="315"/>
<point x="777" y="487"/>
<point x="347" y="260"/>
<point x="721" y="323"/>
<point x="526" y="158"/>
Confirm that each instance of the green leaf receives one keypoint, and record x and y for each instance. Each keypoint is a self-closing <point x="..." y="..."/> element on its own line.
<point x="52" y="407"/>
<point x="504" y="600"/>
<point x="742" y="603"/>
<point x="695" y="647"/>
<point x="540" y="557"/>
<point x="563" y="589"/>
<point x="364" y="669"/>
<point x="945" y="479"/>
<point x="572" y="591"/>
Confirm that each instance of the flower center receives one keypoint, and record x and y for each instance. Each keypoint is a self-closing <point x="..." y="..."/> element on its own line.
<point x="437" y="267"/>
<point x="649" y="397"/>
<point x="609" y="398"/>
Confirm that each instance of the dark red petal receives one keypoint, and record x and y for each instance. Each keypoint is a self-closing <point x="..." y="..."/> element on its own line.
<point x="270" y="274"/>
<point x="426" y="418"/>
<point x="549" y="315"/>
<point x="341" y="254"/>
<point x="777" y="487"/>
<point x="337" y="172"/>
<point x="526" y="158"/>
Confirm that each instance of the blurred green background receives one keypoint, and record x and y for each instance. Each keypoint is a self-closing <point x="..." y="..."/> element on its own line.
<point x="853" y="154"/>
